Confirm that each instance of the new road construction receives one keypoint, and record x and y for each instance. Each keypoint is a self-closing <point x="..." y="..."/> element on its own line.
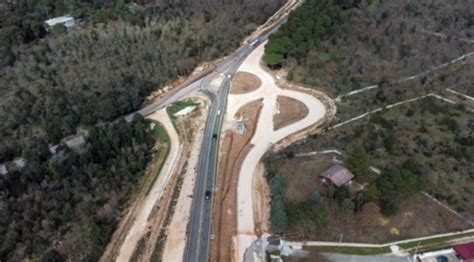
<point x="199" y="232"/>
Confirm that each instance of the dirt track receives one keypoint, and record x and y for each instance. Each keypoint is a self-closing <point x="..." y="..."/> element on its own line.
<point x="175" y="244"/>
<point x="140" y="224"/>
<point x="264" y="138"/>
<point x="234" y="148"/>
<point x="135" y="224"/>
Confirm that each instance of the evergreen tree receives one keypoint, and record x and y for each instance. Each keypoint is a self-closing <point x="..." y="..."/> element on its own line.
<point x="358" y="162"/>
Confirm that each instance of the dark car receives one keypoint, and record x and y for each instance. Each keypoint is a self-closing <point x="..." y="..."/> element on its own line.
<point x="214" y="136"/>
<point x="207" y="195"/>
<point x="441" y="258"/>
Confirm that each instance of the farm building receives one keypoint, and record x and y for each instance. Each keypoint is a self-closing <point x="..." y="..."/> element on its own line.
<point x="465" y="252"/>
<point x="67" y="21"/>
<point x="338" y="175"/>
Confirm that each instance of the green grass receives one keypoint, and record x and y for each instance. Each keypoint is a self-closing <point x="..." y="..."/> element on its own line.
<point x="352" y="250"/>
<point x="423" y="245"/>
<point x="160" y="134"/>
<point x="433" y="241"/>
<point x="176" y="107"/>
<point x="180" y="105"/>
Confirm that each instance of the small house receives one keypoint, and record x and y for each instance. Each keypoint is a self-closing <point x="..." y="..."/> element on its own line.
<point x="67" y="21"/>
<point x="337" y="175"/>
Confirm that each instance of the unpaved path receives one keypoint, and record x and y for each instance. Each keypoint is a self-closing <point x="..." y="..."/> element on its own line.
<point x="140" y="225"/>
<point x="233" y="149"/>
<point x="263" y="139"/>
<point x="176" y="235"/>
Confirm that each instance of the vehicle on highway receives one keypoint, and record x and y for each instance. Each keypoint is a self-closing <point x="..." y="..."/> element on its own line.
<point x="207" y="195"/>
<point x="214" y="136"/>
<point x="254" y="42"/>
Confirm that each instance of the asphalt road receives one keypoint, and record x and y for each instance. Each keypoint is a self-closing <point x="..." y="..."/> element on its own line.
<point x="199" y="233"/>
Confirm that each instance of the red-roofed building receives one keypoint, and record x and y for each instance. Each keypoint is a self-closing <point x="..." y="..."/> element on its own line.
<point x="465" y="251"/>
<point x="338" y="175"/>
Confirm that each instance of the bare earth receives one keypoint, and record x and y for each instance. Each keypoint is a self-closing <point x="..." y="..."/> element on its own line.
<point x="244" y="82"/>
<point x="175" y="244"/>
<point x="134" y="226"/>
<point x="264" y="139"/>
<point x="261" y="197"/>
<point x="289" y="111"/>
<point x="233" y="149"/>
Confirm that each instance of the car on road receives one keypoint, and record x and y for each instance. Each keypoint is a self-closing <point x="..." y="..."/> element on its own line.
<point x="214" y="135"/>
<point x="207" y="195"/>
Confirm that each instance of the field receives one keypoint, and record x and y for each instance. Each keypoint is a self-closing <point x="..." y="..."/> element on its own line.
<point x="434" y="134"/>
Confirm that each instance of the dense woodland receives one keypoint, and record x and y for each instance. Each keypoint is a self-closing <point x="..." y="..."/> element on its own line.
<point x="67" y="207"/>
<point x="339" y="46"/>
<point x="53" y="84"/>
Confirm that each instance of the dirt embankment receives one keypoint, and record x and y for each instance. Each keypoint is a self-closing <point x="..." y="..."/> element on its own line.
<point x="233" y="150"/>
<point x="172" y="242"/>
<point x="289" y="111"/>
<point x="137" y="205"/>
<point x="323" y="123"/>
<point x="151" y="245"/>
<point x="244" y="82"/>
<point x="148" y="231"/>
<point x="261" y="195"/>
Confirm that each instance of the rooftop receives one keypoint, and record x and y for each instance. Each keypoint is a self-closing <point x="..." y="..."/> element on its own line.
<point x="465" y="251"/>
<point x="59" y="20"/>
<point x="338" y="175"/>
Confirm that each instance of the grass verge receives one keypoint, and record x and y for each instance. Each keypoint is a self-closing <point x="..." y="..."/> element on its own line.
<point x="351" y="250"/>
<point x="433" y="242"/>
<point x="161" y="152"/>
<point x="178" y="106"/>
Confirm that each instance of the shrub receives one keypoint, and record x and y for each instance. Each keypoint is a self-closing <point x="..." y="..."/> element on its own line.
<point x="314" y="197"/>
<point x="277" y="185"/>
<point x="347" y="205"/>
<point x="312" y="216"/>
<point x="278" y="216"/>
<point x="388" y="207"/>
<point x="358" y="162"/>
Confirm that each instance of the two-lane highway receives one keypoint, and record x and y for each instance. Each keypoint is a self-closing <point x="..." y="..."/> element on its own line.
<point x="201" y="212"/>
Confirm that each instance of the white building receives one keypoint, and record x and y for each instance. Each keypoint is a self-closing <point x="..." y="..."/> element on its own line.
<point x="67" y="21"/>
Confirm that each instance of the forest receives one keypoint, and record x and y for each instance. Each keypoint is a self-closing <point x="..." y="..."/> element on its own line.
<point x="339" y="46"/>
<point x="59" y="82"/>
<point x="67" y="207"/>
<point x="55" y="84"/>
